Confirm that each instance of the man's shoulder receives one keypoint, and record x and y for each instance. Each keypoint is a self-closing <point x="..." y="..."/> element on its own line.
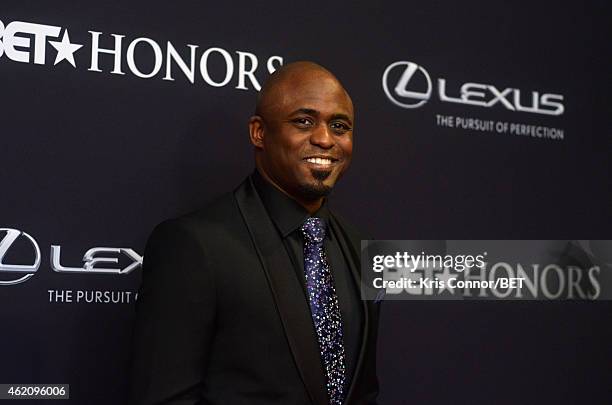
<point x="216" y="218"/>
<point x="218" y="211"/>
<point x="353" y="232"/>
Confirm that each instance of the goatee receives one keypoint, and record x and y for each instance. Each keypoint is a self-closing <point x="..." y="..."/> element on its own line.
<point x="317" y="189"/>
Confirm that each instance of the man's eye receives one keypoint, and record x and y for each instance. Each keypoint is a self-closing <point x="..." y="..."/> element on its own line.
<point x="303" y="122"/>
<point x="340" y="127"/>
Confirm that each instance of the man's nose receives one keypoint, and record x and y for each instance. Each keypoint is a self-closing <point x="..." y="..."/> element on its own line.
<point x="322" y="136"/>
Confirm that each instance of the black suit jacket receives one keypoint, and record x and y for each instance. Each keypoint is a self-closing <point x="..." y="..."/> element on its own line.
<point x="222" y="319"/>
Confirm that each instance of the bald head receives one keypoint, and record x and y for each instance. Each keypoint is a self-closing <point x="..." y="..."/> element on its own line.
<point x="294" y="78"/>
<point x="302" y="132"/>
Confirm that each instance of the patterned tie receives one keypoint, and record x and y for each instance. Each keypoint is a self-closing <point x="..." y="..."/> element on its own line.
<point x="324" y="308"/>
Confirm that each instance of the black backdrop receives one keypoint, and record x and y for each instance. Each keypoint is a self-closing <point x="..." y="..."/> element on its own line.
<point x="96" y="159"/>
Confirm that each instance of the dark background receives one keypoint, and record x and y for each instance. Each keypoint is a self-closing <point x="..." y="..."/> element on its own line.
<point x="95" y="159"/>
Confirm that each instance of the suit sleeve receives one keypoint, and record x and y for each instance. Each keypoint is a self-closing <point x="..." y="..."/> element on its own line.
<point x="375" y="390"/>
<point x="174" y="323"/>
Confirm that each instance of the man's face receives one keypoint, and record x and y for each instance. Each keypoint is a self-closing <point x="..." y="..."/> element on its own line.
<point x="308" y="135"/>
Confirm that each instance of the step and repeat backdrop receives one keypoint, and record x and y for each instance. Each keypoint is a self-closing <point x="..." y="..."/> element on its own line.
<point x="477" y="120"/>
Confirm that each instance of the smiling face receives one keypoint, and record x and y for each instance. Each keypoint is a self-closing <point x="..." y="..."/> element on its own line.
<point x="303" y="132"/>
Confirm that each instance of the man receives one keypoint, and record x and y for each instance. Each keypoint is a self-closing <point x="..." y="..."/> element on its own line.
<point x="255" y="299"/>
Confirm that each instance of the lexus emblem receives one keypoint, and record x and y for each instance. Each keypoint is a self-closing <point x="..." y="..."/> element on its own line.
<point x="28" y="270"/>
<point x="400" y="95"/>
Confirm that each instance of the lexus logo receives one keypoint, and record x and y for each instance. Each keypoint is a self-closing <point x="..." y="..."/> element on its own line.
<point x="97" y="260"/>
<point x="11" y="235"/>
<point x="413" y="88"/>
<point x="400" y="95"/>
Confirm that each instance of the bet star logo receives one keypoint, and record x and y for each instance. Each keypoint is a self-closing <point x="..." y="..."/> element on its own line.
<point x="65" y="50"/>
<point x="23" y="41"/>
<point x="142" y="57"/>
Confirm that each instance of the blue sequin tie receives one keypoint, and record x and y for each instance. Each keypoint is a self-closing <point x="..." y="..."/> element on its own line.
<point x="324" y="308"/>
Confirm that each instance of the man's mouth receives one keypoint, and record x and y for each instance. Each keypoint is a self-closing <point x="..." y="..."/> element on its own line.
<point x="321" y="161"/>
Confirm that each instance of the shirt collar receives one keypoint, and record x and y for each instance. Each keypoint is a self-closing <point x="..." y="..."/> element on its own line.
<point x="286" y="213"/>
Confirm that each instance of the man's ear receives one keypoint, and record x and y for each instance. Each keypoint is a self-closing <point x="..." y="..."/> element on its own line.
<point x="256" y="131"/>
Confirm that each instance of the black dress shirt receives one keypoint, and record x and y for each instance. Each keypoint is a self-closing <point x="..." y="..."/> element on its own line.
<point x="288" y="216"/>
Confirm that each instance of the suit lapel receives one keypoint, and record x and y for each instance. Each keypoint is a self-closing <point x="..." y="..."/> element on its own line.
<point x="286" y="289"/>
<point x="352" y="256"/>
